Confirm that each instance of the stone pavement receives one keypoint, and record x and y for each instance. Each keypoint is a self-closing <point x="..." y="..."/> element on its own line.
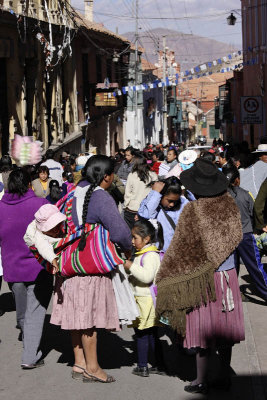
<point x="116" y="354"/>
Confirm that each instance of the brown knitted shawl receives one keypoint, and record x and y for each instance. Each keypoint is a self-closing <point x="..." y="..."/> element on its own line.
<point x="208" y="231"/>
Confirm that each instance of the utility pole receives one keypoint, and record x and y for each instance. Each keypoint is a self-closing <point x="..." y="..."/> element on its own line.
<point x="136" y="74"/>
<point x="165" y="128"/>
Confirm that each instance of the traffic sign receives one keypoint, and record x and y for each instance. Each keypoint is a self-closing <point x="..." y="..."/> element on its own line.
<point x="251" y="110"/>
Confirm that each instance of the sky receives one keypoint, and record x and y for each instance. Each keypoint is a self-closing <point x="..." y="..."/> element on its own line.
<point x="203" y="18"/>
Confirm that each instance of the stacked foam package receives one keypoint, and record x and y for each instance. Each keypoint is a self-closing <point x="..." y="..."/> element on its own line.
<point x="25" y="151"/>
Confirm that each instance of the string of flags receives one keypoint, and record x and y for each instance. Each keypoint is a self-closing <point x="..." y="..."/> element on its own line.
<point x="193" y="73"/>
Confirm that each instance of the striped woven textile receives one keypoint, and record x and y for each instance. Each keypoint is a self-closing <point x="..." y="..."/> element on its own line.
<point x="100" y="255"/>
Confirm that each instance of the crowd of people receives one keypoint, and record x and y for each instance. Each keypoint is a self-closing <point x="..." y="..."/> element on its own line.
<point x="145" y="239"/>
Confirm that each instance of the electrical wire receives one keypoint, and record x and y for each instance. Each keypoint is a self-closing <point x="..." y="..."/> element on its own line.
<point x="147" y="27"/>
<point x="183" y="36"/>
<point x="199" y="16"/>
<point x="189" y="26"/>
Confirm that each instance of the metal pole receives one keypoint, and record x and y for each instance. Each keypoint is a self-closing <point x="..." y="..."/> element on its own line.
<point x="165" y="128"/>
<point x="136" y="72"/>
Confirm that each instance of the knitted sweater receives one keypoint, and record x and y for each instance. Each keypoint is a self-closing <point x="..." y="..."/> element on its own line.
<point x="101" y="209"/>
<point x="141" y="276"/>
<point x="17" y="212"/>
<point x="38" y="188"/>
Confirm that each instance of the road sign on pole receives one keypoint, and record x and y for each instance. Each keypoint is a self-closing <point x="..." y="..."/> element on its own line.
<point x="251" y="110"/>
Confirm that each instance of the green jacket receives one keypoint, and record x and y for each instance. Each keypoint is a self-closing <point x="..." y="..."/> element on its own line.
<point x="260" y="207"/>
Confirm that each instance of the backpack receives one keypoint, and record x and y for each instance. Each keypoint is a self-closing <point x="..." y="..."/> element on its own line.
<point x="153" y="288"/>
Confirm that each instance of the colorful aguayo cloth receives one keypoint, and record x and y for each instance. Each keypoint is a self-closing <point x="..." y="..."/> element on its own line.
<point x="100" y="255"/>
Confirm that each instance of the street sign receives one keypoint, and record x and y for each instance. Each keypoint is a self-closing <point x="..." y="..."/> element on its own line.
<point x="251" y="110"/>
<point x="105" y="99"/>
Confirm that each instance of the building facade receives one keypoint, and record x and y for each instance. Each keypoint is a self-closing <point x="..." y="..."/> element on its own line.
<point x="58" y="70"/>
<point x="249" y="82"/>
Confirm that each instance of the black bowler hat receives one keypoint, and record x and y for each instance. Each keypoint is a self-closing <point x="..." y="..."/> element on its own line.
<point x="204" y="179"/>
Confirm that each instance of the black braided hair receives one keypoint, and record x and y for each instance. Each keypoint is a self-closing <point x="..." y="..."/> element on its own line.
<point x="94" y="172"/>
<point x="231" y="172"/>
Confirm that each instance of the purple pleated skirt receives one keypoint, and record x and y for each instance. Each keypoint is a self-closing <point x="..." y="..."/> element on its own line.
<point x="85" y="302"/>
<point x="210" y="326"/>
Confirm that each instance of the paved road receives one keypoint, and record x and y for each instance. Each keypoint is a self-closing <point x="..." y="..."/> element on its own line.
<point x="117" y="356"/>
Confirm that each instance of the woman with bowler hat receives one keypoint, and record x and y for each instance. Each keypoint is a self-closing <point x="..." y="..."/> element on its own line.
<point x="198" y="292"/>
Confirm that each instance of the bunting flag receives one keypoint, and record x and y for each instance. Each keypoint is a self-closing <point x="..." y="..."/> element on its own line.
<point x="194" y="73"/>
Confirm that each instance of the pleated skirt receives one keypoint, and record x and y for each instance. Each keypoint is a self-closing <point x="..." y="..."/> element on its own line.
<point x="214" y="325"/>
<point x="84" y="302"/>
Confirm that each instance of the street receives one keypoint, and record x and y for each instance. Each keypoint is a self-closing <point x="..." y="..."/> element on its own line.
<point x="116" y="355"/>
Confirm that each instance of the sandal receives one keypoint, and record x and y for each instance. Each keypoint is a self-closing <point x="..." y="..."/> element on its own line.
<point x="93" y="378"/>
<point x="77" y="375"/>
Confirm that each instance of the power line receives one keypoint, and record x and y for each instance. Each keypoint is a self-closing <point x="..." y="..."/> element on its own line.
<point x="189" y="26"/>
<point x="199" y="16"/>
<point x="145" y="24"/>
<point x="183" y="37"/>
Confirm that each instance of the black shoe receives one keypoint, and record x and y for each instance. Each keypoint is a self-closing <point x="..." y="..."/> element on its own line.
<point x="141" y="371"/>
<point x="38" y="364"/>
<point x="20" y="337"/>
<point x="199" y="388"/>
<point x="2" y="312"/>
<point x="157" y="371"/>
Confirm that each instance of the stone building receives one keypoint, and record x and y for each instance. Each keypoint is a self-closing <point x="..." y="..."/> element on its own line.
<point x="58" y="71"/>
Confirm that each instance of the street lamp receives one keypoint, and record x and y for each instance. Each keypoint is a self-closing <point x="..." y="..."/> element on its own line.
<point x="231" y="20"/>
<point x="115" y="57"/>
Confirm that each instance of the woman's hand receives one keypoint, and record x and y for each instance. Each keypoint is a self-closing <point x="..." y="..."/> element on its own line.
<point x="128" y="253"/>
<point x="158" y="186"/>
<point x="127" y="265"/>
<point x="55" y="267"/>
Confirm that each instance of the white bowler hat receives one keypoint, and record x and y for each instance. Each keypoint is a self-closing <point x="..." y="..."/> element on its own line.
<point x="262" y="148"/>
<point x="187" y="157"/>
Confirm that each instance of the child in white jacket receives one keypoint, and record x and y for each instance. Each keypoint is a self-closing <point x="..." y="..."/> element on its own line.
<point x="44" y="231"/>
<point x="142" y="274"/>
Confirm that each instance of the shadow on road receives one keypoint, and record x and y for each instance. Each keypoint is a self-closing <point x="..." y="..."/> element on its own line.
<point x="113" y="351"/>
<point x="7" y="302"/>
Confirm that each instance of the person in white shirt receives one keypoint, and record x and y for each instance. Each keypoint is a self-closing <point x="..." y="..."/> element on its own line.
<point x="252" y="177"/>
<point x="137" y="188"/>
<point x="55" y="168"/>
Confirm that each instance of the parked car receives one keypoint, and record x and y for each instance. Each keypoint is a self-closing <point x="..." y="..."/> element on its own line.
<point x="201" y="140"/>
<point x="198" y="147"/>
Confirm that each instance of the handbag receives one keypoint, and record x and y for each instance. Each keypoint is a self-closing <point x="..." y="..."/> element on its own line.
<point x="100" y="255"/>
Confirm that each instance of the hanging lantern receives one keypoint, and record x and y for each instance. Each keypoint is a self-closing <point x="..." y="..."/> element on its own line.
<point x="231" y="20"/>
<point x="115" y="58"/>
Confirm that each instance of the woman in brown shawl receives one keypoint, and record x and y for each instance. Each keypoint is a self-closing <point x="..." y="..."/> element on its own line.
<point x="198" y="291"/>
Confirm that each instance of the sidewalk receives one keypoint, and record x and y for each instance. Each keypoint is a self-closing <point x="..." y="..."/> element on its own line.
<point x="116" y="355"/>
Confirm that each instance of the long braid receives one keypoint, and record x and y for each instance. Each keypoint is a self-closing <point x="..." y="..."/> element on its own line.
<point x="84" y="215"/>
<point x="94" y="171"/>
